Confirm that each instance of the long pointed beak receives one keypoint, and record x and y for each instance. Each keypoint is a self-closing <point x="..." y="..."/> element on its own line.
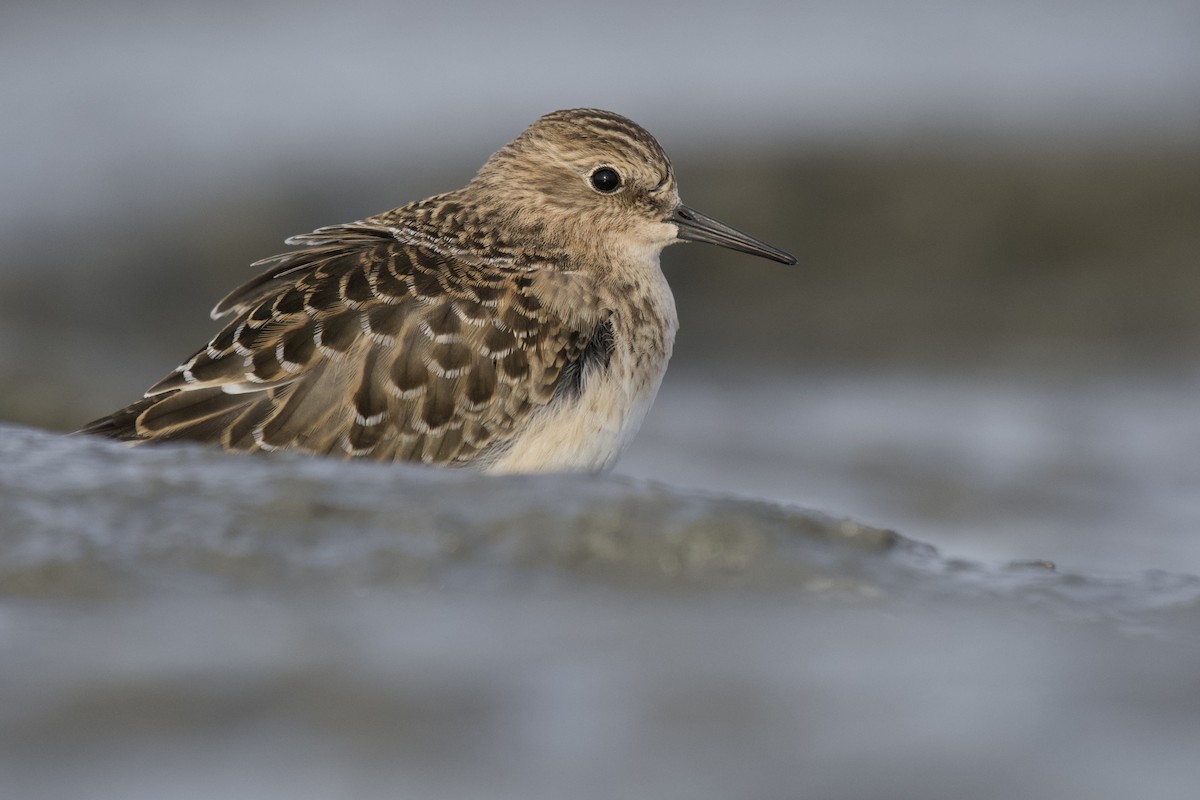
<point x="695" y="227"/>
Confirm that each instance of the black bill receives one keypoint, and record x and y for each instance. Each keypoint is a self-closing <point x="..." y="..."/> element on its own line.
<point x="695" y="227"/>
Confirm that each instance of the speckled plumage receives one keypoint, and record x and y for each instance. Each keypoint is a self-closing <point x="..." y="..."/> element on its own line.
<point x="519" y="324"/>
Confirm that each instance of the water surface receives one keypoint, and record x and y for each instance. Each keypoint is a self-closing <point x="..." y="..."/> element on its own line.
<point x="179" y="622"/>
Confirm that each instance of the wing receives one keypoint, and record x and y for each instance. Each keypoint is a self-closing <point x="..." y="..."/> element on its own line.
<point x="364" y="346"/>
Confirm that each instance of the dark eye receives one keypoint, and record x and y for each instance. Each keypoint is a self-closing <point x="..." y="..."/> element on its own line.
<point x="606" y="180"/>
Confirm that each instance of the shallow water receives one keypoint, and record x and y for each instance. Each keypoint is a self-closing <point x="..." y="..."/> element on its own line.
<point x="1093" y="470"/>
<point x="180" y="622"/>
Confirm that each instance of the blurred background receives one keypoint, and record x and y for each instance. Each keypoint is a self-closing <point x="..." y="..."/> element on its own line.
<point x="989" y="340"/>
<point x="989" y="344"/>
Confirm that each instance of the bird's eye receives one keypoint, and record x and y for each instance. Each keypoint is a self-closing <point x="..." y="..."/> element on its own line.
<point x="606" y="180"/>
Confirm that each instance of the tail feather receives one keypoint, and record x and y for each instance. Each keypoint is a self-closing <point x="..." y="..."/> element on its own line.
<point x="120" y="425"/>
<point x="199" y="415"/>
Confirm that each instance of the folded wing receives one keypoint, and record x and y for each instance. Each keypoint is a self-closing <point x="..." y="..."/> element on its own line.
<point x="361" y="345"/>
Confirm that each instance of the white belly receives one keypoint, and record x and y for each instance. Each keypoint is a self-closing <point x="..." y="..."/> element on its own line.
<point x="587" y="432"/>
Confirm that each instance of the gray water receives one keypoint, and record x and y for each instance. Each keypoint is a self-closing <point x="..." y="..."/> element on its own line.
<point x="101" y="98"/>
<point x="984" y="363"/>
<point x="1097" y="470"/>
<point x="180" y="622"/>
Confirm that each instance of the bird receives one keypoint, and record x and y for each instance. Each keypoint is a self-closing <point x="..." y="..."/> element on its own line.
<point x="519" y="324"/>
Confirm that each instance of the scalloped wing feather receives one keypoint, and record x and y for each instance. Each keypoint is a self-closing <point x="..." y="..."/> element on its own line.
<point x="363" y="346"/>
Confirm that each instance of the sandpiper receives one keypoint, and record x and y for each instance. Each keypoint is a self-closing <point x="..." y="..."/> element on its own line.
<point x="519" y="324"/>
